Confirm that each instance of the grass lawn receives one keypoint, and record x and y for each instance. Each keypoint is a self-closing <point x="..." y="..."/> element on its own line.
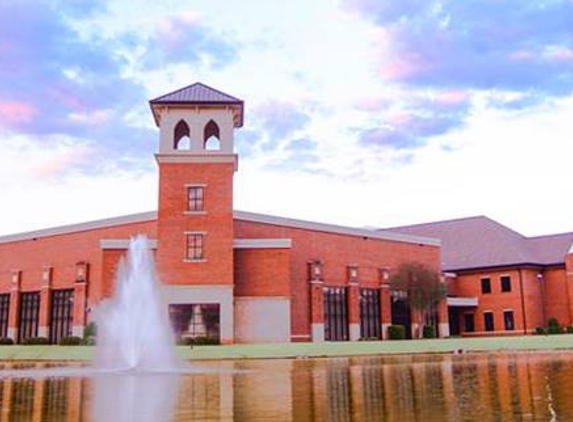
<point x="288" y="350"/>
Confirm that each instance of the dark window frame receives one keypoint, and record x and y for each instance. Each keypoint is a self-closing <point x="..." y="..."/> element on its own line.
<point x="370" y="320"/>
<point x="505" y="283"/>
<point x="488" y="324"/>
<point x="195" y="198"/>
<point x="335" y="314"/>
<point x="195" y="246"/>
<point x="509" y="320"/>
<point x="485" y="285"/>
<point x="469" y="323"/>
<point x="61" y="314"/>
<point x="4" y="313"/>
<point x="29" y="318"/>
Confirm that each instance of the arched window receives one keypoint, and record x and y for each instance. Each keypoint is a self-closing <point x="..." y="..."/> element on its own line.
<point x="211" y="136"/>
<point x="181" y="139"/>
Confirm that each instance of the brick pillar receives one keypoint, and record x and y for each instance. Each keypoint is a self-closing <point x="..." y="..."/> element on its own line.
<point x="443" y="315"/>
<point x="385" y="302"/>
<point x="569" y="273"/>
<point x="13" y="315"/>
<point x="353" y="303"/>
<point x="316" y="301"/>
<point x="80" y="298"/>
<point x="43" y="328"/>
<point x="416" y="325"/>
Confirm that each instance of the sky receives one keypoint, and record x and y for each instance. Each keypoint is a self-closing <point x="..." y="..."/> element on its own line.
<point x="357" y="112"/>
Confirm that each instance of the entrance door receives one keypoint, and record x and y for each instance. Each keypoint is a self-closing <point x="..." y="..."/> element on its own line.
<point x="29" y="313"/>
<point x="335" y="314"/>
<point x="370" y="314"/>
<point x="454" y="319"/>
<point x="401" y="315"/>
<point x="61" y="314"/>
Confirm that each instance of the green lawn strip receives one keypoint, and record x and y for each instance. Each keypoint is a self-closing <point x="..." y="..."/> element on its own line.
<point x="289" y="350"/>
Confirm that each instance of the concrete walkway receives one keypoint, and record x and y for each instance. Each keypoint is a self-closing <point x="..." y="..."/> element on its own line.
<point x="293" y="350"/>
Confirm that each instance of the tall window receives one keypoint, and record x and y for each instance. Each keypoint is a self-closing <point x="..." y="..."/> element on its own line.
<point x="195" y="195"/>
<point x="29" y="315"/>
<point x="4" y="312"/>
<point x="488" y="321"/>
<point x="508" y="320"/>
<point x="195" y="246"/>
<point x="61" y="314"/>
<point x="486" y="285"/>
<point x="505" y="283"/>
<point x="469" y="324"/>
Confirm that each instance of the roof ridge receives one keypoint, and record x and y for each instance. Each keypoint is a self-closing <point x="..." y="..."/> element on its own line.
<point x="231" y="97"/>
<point x="549" y="235"/>
<point x="473" y="217"/>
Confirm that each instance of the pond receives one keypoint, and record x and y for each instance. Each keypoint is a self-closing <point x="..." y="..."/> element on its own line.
<point x="472" y="387"/>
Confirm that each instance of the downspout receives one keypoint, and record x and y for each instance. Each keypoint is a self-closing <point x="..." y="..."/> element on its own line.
<point x="522" y="301"/>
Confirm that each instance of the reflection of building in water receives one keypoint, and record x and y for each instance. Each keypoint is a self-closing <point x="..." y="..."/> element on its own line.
<point x="504" y="387"/>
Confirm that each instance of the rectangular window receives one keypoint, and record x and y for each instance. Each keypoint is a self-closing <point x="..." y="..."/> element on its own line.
<point x="4" y="312"/>
<point x="195" y="197"/>
<point x="488" y="321"/>
<point x="508" y="320"/>
<point x="369" y="302"/>
<point x="195" y="320"/>
<point x="195" y="246"/>
<point x="29" y="315"/>
<point x="61" y="314"/>
<point x="469" y="325"/>
<point x="335" y="314"/>
<point x="485" y="285"/>
<point x="505" y="283"/>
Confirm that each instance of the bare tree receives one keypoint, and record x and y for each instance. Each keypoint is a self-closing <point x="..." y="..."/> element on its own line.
<point x="422" y="288"/>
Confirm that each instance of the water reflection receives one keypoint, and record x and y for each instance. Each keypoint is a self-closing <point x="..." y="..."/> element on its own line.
<point x="500" y="387"/>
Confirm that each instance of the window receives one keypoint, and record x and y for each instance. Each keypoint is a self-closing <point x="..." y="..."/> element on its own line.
<point x="469" y="325"/>
<point x="488" y="321"/>
<point x="61" y="314"/>
<point x="505" y="283"/>
<point x="4" y="312"/>
<point x="335" y="314"/>
<point x="195" y="243"/>
<point x="369" y="302"/>
<point x="29" y="315"/>
<point x="211" y="136"/>
<point x="195" y="196"/>
<point x="485" y="285"/>
<point x="508" y="320"/>
<point x="197" y="320"/>
<point x="181" y="138"/>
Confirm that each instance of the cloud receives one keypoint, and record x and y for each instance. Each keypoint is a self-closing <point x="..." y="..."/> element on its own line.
<point x="510" y="45"/>
<point x="183" y="39"/>
<point x="14" y="113"/>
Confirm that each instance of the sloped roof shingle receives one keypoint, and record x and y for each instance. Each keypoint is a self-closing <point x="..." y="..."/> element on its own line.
<point x="480" y="242"/>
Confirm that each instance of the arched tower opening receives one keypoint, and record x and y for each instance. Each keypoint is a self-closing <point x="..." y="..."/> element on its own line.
<point x="181" y="139"/>
<point x="211" y="136"/>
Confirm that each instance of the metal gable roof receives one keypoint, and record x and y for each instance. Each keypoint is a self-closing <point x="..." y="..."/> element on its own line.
<point x="480" y="242"/>
<point x="196" y="93"/>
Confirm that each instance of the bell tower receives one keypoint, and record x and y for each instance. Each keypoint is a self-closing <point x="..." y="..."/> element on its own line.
<point x="197" y="162"/>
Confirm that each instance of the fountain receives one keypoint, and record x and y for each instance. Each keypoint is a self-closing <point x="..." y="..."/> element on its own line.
<point x="133" y="329"/>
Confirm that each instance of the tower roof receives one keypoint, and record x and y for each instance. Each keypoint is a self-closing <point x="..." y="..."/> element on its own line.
<point x="201" y="95"/>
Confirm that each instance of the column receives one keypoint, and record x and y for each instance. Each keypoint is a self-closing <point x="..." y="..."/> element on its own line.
<point x="353" y="303"/>
<point x="316" y="301"/>
<point x="13" y="315"/>
<point x="80" y="299"/>
<point x="44" y="320"/>
<point x="443" y="319"/>
<point x="385" y="303"/>
<point x="569" y="274"/>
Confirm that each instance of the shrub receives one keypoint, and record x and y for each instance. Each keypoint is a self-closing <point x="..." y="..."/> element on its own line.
<point x="541" y="331"/>
<point x="428" y="331"/>
<point x="6" y="341"/>
<point x="34" y="341"/>
<point x="198" y="341"/>
<point x="71" y="341"/>
<point x="90" y="333"/>
<point x="553" y="326"/>
<point x="396" y="332"/>
<point x="569" y="329"/>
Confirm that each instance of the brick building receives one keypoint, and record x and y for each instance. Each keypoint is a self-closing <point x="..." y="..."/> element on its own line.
<point x="231" y="275"/>
<point x="499" y="281"/>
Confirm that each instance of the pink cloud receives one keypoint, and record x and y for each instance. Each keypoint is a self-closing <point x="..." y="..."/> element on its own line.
<point x="403" y="68"/>
<point x="172" y="30"/>
<point x="399" y="119"/>
<point x="558" y="54"/>
<point x="521" y="55"/>
<point x="63" y="161"/>
<point x="13" y="113"/>
<point x="452" y="97"/>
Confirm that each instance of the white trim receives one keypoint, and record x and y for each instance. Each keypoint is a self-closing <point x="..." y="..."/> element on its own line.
<point x="202" y="157"/>
<point x="194" y="261"/>
<point x="238" y="215"/>
<point x="196" y="232"/>
<point x="571" y="248"/>
<point x="262" y="243"/>
<point x="462" y="301"/>
<point x="122" y="244"/>
<point x="300" y="336"/>
<point x="74" y="228"/>
<point x="188" y="212"/>
<point x="263" y="297"/>
<point x="330" y="228"/>
<point x="195" y="185"/>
